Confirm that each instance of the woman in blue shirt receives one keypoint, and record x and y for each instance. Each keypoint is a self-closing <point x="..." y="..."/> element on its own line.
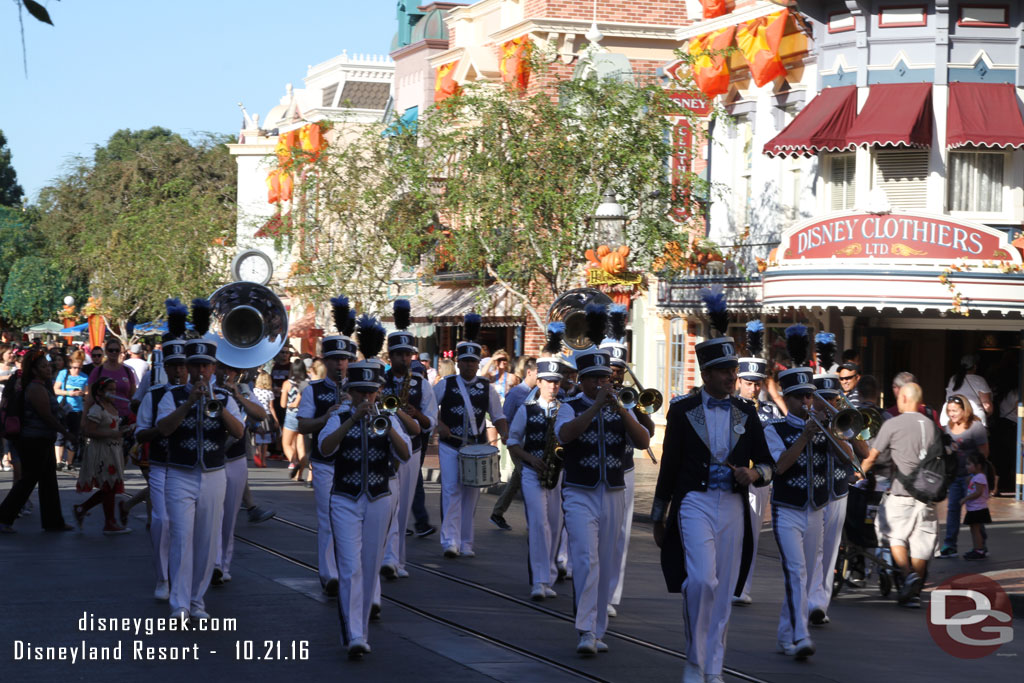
<point x="70" y="388"/>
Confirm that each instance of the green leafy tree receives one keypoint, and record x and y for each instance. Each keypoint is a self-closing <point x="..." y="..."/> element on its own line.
<point x="34" y="291"/>
<point x="148" y="217"/>
<point x="10" y="191"/>
<point x="501" y="185"/>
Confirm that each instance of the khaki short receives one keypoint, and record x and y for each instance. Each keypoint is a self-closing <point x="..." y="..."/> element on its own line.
<point x="908" y="522"/>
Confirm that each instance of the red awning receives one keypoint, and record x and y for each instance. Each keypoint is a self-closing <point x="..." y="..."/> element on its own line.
<point x="820" y="127"/>
<point x="896" y="115"/>
<point x="985" y="115"/>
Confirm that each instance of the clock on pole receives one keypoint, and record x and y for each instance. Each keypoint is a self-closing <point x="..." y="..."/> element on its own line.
<point x="252" y="265"/>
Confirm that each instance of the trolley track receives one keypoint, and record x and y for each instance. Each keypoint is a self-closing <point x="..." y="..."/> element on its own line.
<point x="468" y="583"/>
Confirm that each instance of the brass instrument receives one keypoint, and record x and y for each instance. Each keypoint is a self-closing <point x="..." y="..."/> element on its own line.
<point x="627" y="397"/>
<point x="381" y="423"/>
<point x="840" y="425"/>
<point x="649" y="400"/>
<point x="390" y="404"/>
<point x="250" y="322"/>
<point x="872" y="420"/>
<point x="554" y="453"/>
<point x="403" y="397"/>
<point x="569" y="308"/>
<point x="211" y="406"/>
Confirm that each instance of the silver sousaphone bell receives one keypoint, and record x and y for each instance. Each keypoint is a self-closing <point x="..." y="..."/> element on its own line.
<point x="250" y="322"/>
<point x="569" y="308"/>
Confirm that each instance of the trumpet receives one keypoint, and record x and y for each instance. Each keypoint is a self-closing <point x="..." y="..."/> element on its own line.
<point x="381" y="423"/>
<point x="390" y="404"/>
<point x="627" y="397"/>
<point x="211" y="406"/>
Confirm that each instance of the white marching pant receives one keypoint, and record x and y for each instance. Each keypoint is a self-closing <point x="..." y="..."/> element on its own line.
<point x="832" y="534"/>
<point x="392" y="511"/>
<point x="798" y="533"/>
<point x="458" y="502"/>
<point x="544" y="526"/>
<point x="622" y="546"/>
<point x="237" y="472"/>
<point x="323" y="482"/>
<point x="593" y="518"/>
<point x="159" y="525"/>
<point x="563" y="547"/>
<point x="403" y="491"/>
<point x="711" y="528"/>
<point x="758" y="497"/>
<point x="195" y="508"/>
<point x="359" y="529"/>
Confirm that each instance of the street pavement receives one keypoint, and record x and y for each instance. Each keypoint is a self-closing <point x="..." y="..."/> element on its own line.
<point x="464" y="619"/>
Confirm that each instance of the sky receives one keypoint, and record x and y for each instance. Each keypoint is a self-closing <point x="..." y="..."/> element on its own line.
<point x="184" y="65"/>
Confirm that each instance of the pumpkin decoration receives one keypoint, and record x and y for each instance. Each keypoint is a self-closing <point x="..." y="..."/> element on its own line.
<point x="614" y="262"/>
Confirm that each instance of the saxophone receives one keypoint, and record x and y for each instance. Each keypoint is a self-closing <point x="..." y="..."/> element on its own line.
<point x="553" y="453"/>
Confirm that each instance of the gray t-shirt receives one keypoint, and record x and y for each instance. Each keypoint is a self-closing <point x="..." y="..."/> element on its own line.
<point x="900" y="443"/>
<point x="967" y="442"/>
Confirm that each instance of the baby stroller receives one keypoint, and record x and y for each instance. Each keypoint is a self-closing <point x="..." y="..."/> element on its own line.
<point x="860" y="554"/>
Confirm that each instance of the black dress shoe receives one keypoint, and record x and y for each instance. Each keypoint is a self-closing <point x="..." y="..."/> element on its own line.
<point x="500" y="522"/>
<point x="426" y="530"/>
<point x="218" y="578"/>
<point x="374" y="612"/>
<point x="331" y="588"/>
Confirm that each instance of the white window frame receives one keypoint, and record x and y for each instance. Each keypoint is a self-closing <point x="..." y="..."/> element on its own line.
<point x="677" y="357"/>
<point x="1005" y="192"/>
<point x="850" y="187"/>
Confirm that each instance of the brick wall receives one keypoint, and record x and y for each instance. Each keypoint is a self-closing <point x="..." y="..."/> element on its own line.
<point x="657" y="12"/>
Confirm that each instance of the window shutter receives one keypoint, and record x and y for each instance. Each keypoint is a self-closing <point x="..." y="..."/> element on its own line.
<point x="842" y="181"/>
<point x="903" y="175"/>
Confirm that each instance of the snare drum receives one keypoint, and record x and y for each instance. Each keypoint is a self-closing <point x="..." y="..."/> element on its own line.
<point x="478" y="465"/>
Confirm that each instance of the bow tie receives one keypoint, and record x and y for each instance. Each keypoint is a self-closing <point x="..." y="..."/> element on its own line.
<point x="722" y="403"/>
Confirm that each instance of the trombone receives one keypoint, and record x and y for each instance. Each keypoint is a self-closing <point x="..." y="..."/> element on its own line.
<point x="634" y="395"/>
<point x="840" y="425"/>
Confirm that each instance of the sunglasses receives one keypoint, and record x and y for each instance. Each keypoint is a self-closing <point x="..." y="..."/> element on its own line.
<point x="802" y="395"/>
<point x="956" y="401"/>
<point x="846" y="378"/>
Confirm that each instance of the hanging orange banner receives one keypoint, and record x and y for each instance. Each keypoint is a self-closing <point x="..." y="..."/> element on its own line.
<point x="97" y="330"/>
<point x="713" y="8"/>
<point x="711" y="71"/>
<point x="515" y="68"/>
<point x="759" y="40"/>
<point x="445" y="85"/>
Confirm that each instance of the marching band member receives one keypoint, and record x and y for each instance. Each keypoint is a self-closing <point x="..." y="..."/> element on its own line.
<point x="530" y="438"/>
<point x="463" y="399"/>
<point x="800" y="493"/>
<point x="598" y="436"/>
<point x="147" y="435"/>
<point x="753" y="370"/>
<point x="362" y="446"/>
<point x="616" y="346"/>
<point x="194" y="490"/>
<point x="714" y="449"/>
<point x="839" y="471"/>
<point x="418" y="403"/>
<point x="236" y="468"/>
<point x="315" y="405"/>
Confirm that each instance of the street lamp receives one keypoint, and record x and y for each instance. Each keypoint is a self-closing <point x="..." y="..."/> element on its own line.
<point x="69" y="300"/>
<point x="609" y="221"/>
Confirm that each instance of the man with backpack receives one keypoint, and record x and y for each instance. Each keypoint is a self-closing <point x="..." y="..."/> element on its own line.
<point x="911" y="446"/>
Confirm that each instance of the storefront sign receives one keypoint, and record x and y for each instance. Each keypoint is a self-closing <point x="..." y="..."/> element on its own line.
<point x="896" y="237"/>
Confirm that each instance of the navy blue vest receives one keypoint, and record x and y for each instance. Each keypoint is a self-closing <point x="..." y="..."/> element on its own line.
<point x="841" y="472"/>
<point x="452" y="410"/>
<point x="808" y="480"/>
<point x="602" y="453"/>
<point x="536" y="430"/>
<point x="415" y="398"/>
<point x="158" y="446"/>
<point x="324" y="398"/>
<point x="198" y="440"/>
<point x="361" y="463"/>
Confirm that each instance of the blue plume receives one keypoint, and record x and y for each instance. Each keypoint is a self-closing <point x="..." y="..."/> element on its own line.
<point x="340" y="308"/>
<point x="403" y="313"/>
<point x="797" y="329"/>
<point x="201" y="316"/>
<point x="556" y="331"/>
<point x="825" y="345"/>
<point x="349" y="326"/>
<point x="471" y="326"/>
<point x="597" y="321"/>
<point x="796" y="344"/>
<point x="824" y="338"/>
<point x="755" y="337"/>
<point x="714" y="302"/>
<point x="371" y="336"/>
<point x="617" y="317"/>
